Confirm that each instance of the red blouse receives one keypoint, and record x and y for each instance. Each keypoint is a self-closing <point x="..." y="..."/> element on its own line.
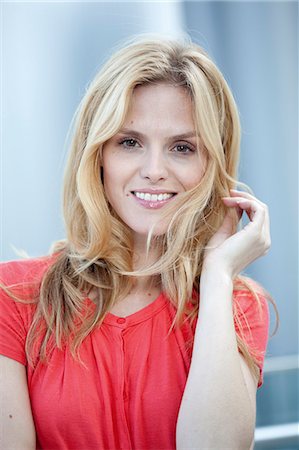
<point x="127" y="393"/>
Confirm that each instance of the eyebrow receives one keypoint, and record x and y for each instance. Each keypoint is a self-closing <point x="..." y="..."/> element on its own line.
<point x="188" y="135"/>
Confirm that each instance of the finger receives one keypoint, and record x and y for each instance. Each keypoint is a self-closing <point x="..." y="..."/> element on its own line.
<point x="243" y="194"/>
<point x="231" y="203"/>
<point x="254" y="210"/>
<point x="258" y="215"/>
<point x="260" y="224"/>
<point x="266" y="228"/>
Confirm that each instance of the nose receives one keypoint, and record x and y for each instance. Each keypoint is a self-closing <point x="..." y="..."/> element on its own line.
<point x="154" y="165"/>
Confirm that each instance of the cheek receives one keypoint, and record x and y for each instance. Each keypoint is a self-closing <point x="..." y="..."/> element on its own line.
<point x="114" y="183"/>
<point x="109" y="184"/>
<point x="193" y="176"/>
<point x="110" y="170"/>
<point x="108" y="180"/>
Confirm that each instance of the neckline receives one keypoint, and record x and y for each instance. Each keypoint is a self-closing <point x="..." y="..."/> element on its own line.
<point x="141" y="315"/>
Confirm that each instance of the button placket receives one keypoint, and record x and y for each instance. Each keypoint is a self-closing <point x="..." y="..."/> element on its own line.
<point x="123" y="386"/>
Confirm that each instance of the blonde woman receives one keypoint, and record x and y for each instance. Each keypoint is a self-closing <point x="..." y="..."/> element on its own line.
<point x="139" y="332"/>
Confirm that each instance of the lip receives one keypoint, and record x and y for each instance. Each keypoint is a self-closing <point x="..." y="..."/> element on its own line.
<point x="153" y="205"/>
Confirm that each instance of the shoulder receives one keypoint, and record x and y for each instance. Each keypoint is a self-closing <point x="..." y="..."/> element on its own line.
<point x="251" y="311"/>
<point x="251" y="315"/>
<point x="24" y="270"/>
<point x="19" y="290"/>
<point x="19" y="287"/>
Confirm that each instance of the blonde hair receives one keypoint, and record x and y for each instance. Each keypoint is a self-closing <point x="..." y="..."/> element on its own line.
<point x="98" y="247"/>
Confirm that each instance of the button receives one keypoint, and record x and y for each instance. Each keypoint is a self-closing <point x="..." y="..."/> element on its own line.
<point x="121" y="320"/>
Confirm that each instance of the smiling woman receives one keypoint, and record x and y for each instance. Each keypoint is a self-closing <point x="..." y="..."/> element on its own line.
<point x="140" y="320"/>
<point x="148" y="165"/>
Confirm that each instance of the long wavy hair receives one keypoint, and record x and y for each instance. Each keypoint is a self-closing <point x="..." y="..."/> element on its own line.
<point x="98" y="250"/>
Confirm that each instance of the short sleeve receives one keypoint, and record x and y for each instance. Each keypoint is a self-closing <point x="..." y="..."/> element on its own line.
<point x="12" y="330"/>
<point x="16" y="316"/>
<point x="252" y="325"/>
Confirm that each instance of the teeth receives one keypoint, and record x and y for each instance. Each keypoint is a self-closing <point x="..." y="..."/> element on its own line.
<point x="152" y="197"/>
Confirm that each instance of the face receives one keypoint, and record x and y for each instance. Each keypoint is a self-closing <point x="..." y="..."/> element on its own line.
<point x="153" y="158"/>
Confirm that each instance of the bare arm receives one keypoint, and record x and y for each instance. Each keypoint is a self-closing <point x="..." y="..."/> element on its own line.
<point x="17" y="430"/>
<point x="218" y="405"/>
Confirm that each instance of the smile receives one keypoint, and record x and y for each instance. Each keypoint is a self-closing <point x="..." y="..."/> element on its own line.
<point x="153" y="201"/>
<point x="153" y="197"/>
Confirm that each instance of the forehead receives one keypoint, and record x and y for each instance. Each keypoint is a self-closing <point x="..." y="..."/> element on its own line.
<point x="160" y="105"/>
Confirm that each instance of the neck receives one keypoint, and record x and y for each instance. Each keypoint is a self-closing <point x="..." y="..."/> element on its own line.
<point x="142" y="259"/>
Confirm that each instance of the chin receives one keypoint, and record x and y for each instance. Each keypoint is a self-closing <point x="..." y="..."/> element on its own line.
<point x="142" y="232"/>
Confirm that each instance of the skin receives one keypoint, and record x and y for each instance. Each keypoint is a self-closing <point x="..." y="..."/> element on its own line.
<point x="218" y="406"/>
<point x="155" y="152"/>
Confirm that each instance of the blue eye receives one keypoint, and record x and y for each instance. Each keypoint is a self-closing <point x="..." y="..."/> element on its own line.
<point x="129" y="143"/>
<point x="183" y="148"/>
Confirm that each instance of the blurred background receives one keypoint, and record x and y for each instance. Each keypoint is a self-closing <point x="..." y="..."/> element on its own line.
<point x="50" y="51"/>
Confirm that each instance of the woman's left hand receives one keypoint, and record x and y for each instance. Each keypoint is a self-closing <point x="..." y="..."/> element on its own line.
<point x="230" y="251"/>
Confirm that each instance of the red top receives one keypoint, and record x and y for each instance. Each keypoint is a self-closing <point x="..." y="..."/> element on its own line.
<point x="128" y="392"/>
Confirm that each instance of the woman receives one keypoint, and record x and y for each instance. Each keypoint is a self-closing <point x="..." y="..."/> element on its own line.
<point x="101" y="346"/>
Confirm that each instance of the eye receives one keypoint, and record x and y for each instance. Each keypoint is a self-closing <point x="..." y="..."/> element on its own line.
<point x="183" y="148"/>
<point x="129" y="143"/>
